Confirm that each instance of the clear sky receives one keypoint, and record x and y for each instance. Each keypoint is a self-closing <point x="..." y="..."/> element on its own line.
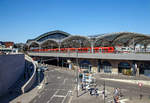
<point x="26" y="19"/>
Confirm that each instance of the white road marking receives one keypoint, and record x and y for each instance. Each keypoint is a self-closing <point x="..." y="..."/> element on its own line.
<point x="123" y="100"/>
<point x="64" y="98"/>
<point x="52" y="96"/>
<point x="64" y="81"/>
<point x="58" y="77"/>
<point x="59" y="96"/>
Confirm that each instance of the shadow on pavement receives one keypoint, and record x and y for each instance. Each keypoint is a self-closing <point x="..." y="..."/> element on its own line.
<point x="83" y="93"/>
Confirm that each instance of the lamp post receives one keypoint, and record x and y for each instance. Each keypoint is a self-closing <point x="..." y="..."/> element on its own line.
<point x="39" y="74"/>
<point x="39" y="68"/>
<point x="77" y="88"/>
<point x="92" y="44"/>
<point x="58" y="52"/>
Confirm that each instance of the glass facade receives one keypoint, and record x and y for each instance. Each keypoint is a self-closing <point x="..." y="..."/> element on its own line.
<point x="56" y="36"/>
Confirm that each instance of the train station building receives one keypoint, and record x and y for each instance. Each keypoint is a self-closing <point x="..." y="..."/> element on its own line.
<point x="124" y="44"/>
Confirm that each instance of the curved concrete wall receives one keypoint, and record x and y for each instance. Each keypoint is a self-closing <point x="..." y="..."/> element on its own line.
<point x="11" y="67"/>
<point x="32" y="79"/>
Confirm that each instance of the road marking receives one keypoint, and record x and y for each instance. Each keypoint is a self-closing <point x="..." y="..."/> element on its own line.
<point x="64" y="81"/>
<point x="52" y="96"/>
<point x="72" y="95"/>
<point x="58" y="77"/>
<point x="123" y="100"/>
<point x="64" y="98"/>
<point x="59" y="96"/>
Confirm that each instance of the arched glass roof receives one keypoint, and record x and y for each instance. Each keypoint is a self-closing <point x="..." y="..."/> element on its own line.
<point x="65" y="40"/>
<point x="49" y="44"/>
<point x="34" y="45"/>
<point x="56" y="35"/>
<point x="75" y="42"/>
<point x="121" y="38"/>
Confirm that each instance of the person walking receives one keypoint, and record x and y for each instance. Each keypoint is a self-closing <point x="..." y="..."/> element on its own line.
<point x="116" y="95"/>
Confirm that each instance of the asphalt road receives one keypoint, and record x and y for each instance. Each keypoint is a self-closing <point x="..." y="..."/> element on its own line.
<point x="129" y="90"/>
<point x="59" y="83"/>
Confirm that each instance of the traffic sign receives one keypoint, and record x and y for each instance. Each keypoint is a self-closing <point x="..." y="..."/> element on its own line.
<point x="140" y="84"/>
<point x="79" y="70"/>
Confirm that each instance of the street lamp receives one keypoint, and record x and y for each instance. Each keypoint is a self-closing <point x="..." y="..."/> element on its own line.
<point x="58" y="52"/>
<point x="77" y="88"/>
<point x="39" y="74"/>
<point x="92" y="44"/>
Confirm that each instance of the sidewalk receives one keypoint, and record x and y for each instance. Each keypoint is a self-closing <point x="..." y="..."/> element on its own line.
<point x="123" y="78"/>
<point x="27" y="97"/>
<point x="85" y="97"/>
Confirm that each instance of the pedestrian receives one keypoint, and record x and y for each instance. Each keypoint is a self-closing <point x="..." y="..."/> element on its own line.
<point x="116" y="95"/>
<point x="82" y="86"/>
<point x="135" y="68"/>
<point x="103" y="92"/>
<point x="91" y="91"/>
<point x="116" y="91"/>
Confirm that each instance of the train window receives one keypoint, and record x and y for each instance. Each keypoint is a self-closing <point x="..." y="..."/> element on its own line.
<point x="105" y="50"/>
<point x="89" y="50"/>
<point x="100" y="50"/>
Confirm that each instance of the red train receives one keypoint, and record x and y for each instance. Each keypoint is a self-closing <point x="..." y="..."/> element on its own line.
<point x="79" y="50"/>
